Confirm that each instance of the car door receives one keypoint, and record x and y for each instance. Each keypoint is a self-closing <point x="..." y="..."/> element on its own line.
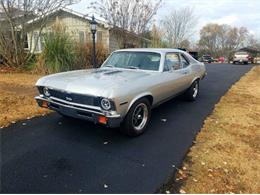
<point x="186" y="71"/>
<point x="173" y="75"/>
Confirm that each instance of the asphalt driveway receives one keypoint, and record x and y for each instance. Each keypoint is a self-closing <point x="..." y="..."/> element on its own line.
<point x="55" y="155"/>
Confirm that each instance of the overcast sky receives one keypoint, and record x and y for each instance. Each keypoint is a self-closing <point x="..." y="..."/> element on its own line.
<point x="234" y="12"/>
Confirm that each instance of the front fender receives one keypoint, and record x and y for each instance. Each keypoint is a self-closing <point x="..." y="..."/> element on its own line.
<point x="137" y="97"/>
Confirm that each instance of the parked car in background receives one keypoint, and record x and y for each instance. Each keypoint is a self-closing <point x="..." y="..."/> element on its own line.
<point x="257" y="60"/>
<point x="207" y="59"/>
<point x="124" y="90"/>
<point x="221" y="59"/>
<point x="242" y="57"/>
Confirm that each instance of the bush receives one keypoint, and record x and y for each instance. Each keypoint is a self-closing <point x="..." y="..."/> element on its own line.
<point x="58" y="53"/>
<point x="84" y="55"/>
<point x="62" y="54"/>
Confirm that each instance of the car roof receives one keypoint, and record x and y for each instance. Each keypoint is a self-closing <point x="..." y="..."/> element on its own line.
<point x="158" y="50"/>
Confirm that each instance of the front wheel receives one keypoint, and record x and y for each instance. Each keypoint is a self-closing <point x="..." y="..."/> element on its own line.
<point x="193" y="91"/>
<point x="137" y="118"/>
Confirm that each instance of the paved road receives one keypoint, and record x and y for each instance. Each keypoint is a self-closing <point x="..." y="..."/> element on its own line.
<point x="53" y="155"/>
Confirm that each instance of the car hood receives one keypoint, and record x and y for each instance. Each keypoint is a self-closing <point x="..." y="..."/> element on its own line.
<point x="97" y="82"/>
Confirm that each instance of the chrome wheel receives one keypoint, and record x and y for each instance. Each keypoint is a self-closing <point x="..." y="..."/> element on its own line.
<point x="195" y="90"/>
<point x="140" y="116"/>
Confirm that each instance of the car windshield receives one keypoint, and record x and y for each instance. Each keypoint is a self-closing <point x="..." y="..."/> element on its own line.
<point x="134" y="60"/>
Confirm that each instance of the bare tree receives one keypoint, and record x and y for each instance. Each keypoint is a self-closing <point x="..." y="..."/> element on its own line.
<point x="222" y="40"/>
<point x="15" y="17"/>
<point x="127" y="15"/>
<point x="179" y="26"/>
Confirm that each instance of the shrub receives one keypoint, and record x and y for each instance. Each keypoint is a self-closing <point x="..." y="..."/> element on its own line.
<point x="84" y="55"/>
<point x="58" y="53"/>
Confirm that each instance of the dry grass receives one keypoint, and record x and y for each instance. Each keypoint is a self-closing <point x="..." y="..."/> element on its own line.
<point x="17" y="97"/>
<point x="226" y="155"/>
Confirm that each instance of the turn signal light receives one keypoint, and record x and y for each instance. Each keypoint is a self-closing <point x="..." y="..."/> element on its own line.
<point x="44" y="104"/>
<point x="102" y="119"/>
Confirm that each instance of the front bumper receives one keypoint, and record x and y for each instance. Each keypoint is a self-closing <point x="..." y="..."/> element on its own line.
<point x="89" y="113"/>
<point x="240" y="60"/>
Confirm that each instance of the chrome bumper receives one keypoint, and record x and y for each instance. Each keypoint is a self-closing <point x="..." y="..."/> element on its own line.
<point x="86" y="112"/>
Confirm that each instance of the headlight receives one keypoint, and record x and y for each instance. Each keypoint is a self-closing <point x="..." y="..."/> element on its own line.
<point x="105" y="104"/>
<point x="46" y="91"/>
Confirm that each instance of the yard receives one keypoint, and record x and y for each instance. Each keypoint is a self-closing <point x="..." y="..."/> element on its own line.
<point x="226" y="154"/>
<point x="17" y="97"/>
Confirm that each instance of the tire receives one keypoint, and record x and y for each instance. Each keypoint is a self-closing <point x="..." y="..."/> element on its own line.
<point x="192" y="93"/>
<point x="134" y="124"/>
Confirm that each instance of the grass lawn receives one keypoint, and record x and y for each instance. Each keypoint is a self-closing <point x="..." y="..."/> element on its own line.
<point x="225" y="157"/>
<point x="17" y="97"/>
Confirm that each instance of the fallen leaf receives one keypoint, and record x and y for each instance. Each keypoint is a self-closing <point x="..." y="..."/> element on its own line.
<point x="13" y="122"/>
<point x="23" y="124"/>
<point x="163" y="120"/>
<point x="105" y="186"/>
<point x="105" y="143"/>
<point x="182" y="191"/>
<point x="173" y="166"/>
<point x="203" y="163"/>
<point x="167" y="192"/>
<point x="210" y="170"/>
<point x="225" y="163"/>
<point x="210" y="175"/>
<point x="195" y="180"/>
<point x="184" y="168"/>
<point x="225" y="170"/>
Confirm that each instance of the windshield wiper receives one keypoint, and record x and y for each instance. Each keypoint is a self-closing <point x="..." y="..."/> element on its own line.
<point x="131" y="67"/>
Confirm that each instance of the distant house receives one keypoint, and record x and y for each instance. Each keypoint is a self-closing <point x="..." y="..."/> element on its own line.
<point x="78" y="27"/>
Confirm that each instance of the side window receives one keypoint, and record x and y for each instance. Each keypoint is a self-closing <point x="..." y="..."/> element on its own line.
<point x="172" y="62"/>
<point x="184" y="61"/>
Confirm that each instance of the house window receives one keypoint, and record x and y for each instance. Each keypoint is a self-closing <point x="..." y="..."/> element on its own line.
<point x="99" y="37"/>
<point x="26" y="44"/>
<point x="37" y="42"/>
<point x="81" y="36"/>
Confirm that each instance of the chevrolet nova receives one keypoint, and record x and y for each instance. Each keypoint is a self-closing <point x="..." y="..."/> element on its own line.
<point x="124" y="89"/>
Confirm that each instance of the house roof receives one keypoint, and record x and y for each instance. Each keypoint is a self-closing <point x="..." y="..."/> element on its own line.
<point x="16" y="13"/>
<point x="70" y="11"/>
<point x="85" y="17"/>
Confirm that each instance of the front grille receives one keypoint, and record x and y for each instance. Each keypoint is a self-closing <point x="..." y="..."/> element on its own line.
<point x="73" y="97"/>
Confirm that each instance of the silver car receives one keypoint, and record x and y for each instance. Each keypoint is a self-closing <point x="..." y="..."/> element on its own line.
<point x="124" y="89"/>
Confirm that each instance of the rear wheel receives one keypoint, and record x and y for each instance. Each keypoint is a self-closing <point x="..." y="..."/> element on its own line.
<point x="193" y="91"/>
<point x="137" y="118"/>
